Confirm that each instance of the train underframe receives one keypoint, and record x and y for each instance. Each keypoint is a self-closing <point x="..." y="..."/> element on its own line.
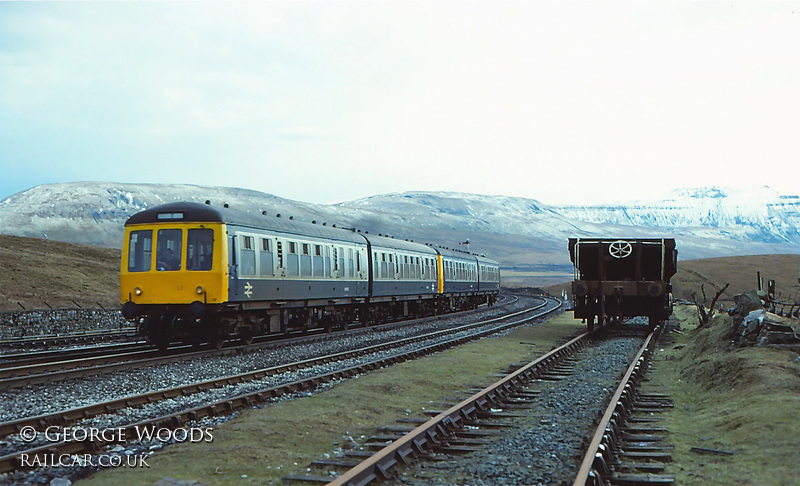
<point x="199" y="323"/>
<point x="601" y="310"/>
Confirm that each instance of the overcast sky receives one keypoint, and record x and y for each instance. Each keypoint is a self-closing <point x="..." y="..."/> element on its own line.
<point x="332" y="101"/>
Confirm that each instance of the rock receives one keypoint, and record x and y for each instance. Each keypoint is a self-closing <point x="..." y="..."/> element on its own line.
<point x="747" y="302"/>
<point x="770" y="325"/>
<point x="770" y="337"/>
<point x="60" y="482"/>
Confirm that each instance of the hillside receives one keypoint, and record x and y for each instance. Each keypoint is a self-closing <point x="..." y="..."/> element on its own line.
<point x="37" y="272"/>
<point x="739" y="271"/>
<point x="526" y="236"/>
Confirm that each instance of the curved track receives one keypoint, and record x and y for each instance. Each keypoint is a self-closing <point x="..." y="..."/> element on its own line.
<point x="438" y="340"/>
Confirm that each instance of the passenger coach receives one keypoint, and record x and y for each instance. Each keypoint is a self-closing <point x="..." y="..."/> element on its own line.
<point x="193" y="272"/>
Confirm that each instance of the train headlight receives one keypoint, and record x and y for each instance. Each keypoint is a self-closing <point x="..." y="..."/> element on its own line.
<point x="655" y="290"/>
<point x="199" y="290"/>
<point x="137" y="291"/>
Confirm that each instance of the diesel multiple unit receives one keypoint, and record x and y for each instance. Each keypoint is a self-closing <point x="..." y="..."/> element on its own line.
<point x="616" y="278"/>
<point x="192" y="272"/>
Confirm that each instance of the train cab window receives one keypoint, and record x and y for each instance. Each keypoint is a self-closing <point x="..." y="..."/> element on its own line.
<point x="168" y="255"/>
<point x="318" y="263"/>
<point x="140" y="251"/>
<point x="266" y="259"/>
<point x="199" y="249"/>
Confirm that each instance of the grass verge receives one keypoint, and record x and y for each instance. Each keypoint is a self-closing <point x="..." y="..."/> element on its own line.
<point x="741" y="400"/>
<point x="261" y="446"/>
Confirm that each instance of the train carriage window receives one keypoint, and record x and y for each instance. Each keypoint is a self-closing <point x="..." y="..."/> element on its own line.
<point x="248" y="255"/>
<point x="342" y="262"/>
<point x="318" y="264"/>
<point x="199" y="249"/>
<point x="327" y="261"/>
<point x="384" y="266"/>
<point x="292" y="261"/>
<point x="266" y="261"/>
<point x="305" y="261"/>
<point x="168" y="254"/>
<point x="351" y="267"/>
<point x="358" y="261"/>
<point x="140" y="251"/>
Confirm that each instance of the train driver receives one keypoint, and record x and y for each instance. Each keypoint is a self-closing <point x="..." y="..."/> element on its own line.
<point x="168" y="261"/>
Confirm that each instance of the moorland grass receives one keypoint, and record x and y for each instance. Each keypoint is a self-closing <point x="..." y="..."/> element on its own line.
<point x="741" y="400"/>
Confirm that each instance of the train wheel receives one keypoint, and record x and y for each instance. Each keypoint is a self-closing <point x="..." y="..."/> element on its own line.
<point x="158" y="331"/>
<point x="246" y="336"/>
<point x="195" y="339"/>
<point x="216" y="341"/>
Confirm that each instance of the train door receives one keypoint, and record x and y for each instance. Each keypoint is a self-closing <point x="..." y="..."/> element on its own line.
<point x="233" y="275"/>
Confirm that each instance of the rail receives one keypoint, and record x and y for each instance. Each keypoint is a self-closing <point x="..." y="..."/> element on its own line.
<point x="594" y="469"/>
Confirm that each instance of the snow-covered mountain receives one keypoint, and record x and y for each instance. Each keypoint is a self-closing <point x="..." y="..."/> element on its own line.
<point x="757" y="214"/>
<point x="526" y="236"/>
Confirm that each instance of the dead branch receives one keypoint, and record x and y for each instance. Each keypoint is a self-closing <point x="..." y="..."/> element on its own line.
<point x="714" y="302"/>
<point x="702" y="316"/>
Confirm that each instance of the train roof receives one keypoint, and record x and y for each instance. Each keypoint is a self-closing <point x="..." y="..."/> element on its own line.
<point x="191" y="212"/>
<point x="398" y="244"/>
<point x="463" y="255"/>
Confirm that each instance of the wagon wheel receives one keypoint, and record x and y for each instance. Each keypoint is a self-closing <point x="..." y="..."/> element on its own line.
<point x="620" y="249"/>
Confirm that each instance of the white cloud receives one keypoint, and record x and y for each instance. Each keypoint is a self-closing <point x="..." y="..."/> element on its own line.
<point x="324" y="101"/>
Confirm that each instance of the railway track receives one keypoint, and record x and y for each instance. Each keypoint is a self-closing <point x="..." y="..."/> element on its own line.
<point x="628" y="447"/>
<point x="469" y="426"/>
<point x="26" y="369"/>
<point x="67" y="339"/>
<point x="291" y="383"/>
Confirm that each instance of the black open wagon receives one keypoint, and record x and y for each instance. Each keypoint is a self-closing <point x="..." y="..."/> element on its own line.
<point x="619" y="278"/>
